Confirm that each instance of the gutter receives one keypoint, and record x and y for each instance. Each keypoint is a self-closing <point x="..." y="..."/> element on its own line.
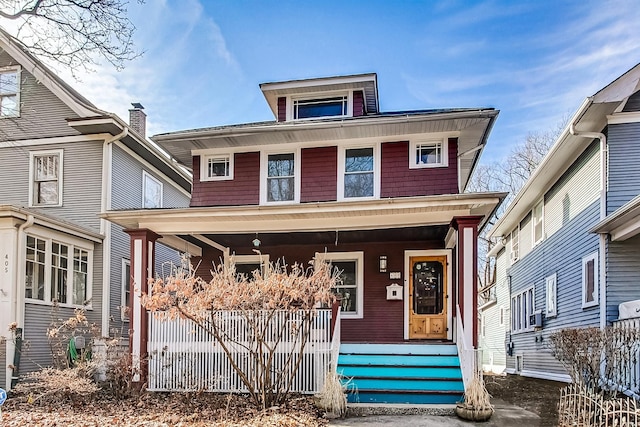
<point x="105" y="228"/>
<point x="604" y="183"/>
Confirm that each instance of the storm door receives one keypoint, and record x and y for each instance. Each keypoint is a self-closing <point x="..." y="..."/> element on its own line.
<point x="427" y="298"/>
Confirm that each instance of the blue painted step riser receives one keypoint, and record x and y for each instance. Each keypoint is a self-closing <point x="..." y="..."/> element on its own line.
<point x="359" y="359"/>
<point x="426" y="349"/>
<point x="423" y="399"/>
<point x="391" y="384"/>
<point x="396" y="372"/>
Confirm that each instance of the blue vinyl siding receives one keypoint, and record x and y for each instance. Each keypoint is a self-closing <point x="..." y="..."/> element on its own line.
<point x="624" y="158"/>
<point x="623" y="274"/>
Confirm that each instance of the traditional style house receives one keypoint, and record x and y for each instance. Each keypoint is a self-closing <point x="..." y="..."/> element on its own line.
<point x="568" y="245"/>
<point x="62" y="162"/>
<point x="381" y="195"/>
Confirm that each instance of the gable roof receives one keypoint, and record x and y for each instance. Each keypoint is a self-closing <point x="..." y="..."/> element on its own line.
<point x="590" y="117"/>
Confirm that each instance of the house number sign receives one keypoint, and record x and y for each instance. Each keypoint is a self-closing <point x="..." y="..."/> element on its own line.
<point x="5" y="263"/>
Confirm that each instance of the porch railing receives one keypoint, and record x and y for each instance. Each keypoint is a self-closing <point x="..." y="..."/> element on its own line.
<point x="335" y="342"/>
<point x="627" y="366"/>
<point x="466" y="352"/>
<point x="183" y="357"/>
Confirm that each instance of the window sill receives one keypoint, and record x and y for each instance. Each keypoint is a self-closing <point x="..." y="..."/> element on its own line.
<point x="522" y="331"/>
<point x="429" y="166"/>
<point x="589" y="305"/>
<point x="50" y="304"/>
<point x="347" y="316"/>
<point x="217" y="178"/>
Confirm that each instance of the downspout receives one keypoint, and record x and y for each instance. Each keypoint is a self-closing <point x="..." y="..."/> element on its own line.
<point x="105" y="228"/>
<point x="604" y="183"/>
<point x="18" y="309"/>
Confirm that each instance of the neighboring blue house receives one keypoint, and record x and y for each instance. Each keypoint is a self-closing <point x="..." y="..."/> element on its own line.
<point x="570" y="238"/>
<point x="63" y="161"/>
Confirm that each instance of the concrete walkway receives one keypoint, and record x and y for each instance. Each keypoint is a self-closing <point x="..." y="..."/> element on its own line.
<point x="504" y="415"/>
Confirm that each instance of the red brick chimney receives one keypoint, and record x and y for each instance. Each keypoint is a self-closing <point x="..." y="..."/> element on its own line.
<point x="138" y="119"/>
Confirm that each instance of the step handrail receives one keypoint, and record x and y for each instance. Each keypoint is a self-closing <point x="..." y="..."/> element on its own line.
<point x="465" y="351"/>
<point x="335" y="342"/>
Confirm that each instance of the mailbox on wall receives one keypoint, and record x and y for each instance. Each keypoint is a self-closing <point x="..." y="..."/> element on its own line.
<point x="394" y="292"/>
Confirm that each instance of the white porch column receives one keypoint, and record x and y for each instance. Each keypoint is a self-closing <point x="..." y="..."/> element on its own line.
<point x="9" y="256"/>
<point x="142" y="267"/>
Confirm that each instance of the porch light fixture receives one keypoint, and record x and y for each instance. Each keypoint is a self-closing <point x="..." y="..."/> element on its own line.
<point x="383" y="263"/>
<point x="256" y="242"/>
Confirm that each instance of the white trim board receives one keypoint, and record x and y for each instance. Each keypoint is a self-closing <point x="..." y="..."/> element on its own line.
<point x="544" y="375"/>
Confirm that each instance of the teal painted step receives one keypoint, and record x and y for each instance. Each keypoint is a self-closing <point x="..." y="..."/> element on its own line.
<point x="421" y="373"/>
<point x="400" y="371"/>
<point x="398" y="360"/>
<point x="410" y="398"/>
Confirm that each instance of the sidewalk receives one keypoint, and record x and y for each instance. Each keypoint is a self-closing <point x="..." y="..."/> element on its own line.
<point x="505" y="415"/>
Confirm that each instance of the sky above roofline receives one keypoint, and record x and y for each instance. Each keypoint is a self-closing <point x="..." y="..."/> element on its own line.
<point x="535" y="61"/>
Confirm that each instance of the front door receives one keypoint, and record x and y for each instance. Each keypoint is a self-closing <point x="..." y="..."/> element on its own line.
<point x="427" y="297"/>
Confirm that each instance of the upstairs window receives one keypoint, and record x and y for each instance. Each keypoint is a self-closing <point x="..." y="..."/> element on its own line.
<point x="515" y="244"/>
<point x="590" y="280"/>
<point x="538" y="223"/>
<point x="46" y="178"/>
<point x="151" y="192"/>
<point x="280" y="178"/>
<point x="428" y="154"/>
<point x="9" y="92"/>
<point x="336" y="106"/>
<point x="216" y="167"/>
<point x="358" y="176"/>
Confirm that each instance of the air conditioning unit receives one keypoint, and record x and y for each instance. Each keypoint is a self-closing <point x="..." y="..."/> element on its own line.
<point x="535" y="319"/>
<point x="513" y="256"/>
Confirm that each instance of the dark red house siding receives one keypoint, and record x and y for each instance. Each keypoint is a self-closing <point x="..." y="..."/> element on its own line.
<point x="383" y="320"/>
<point x="358" y="104"/>
<point x="319" y="181"/>
<point x="282" y="109"/>
<point x="243" y="189"/>
<point x="397" y="180"/>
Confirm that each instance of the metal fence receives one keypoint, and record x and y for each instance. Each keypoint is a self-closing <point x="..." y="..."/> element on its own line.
<point x="185" y="357"/>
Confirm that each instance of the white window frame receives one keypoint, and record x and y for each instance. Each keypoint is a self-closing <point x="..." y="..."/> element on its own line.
<point x="358" y="257"/>
<point x="8" y="70"/>
<point x="551" y="295"/>
<point x="291" y="101"/>
<point x="204" y="167"/>
<point x="522" y="306"/>
<point x="262" y="259"/>
<point x="264" y="172"/>
<point x="515" y="248"/>
<point x="596" y="290"/>
<point x="342" y="156"/>
<point x="539" y="221"/>
<point x="72" y="244"/>
<point x="32" y="176"/>
<point x="444" y="153"/>
<point x="126" y="282"/>
<point x="146" y="176"/>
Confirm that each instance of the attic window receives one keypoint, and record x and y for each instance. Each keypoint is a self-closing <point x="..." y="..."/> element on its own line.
<point x="216" y="167"/>
<point x="9" y="92"/>
<point x="336" y="106"/>
<point x="428" y="154"/>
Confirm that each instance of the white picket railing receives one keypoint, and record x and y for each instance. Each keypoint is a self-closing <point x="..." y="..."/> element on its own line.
<point x="466" y="352"/>
<point x="627" y="366"/>
<point x="184" y="357"/>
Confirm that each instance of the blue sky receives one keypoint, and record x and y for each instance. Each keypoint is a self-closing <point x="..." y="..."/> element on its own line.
<point x="535" y="61"/>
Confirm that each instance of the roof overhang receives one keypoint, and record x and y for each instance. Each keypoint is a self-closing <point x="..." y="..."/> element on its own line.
<point x="472" y="128"/>
<point x="22" y="215"/>
<point x="622" y="224"/>
<point x="113" y="125"/>
<point x="310" y="217"/>
<point x="368" y="83"/>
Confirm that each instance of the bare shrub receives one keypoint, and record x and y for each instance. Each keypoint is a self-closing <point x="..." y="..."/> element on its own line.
<point x="62" y="330"/>
<point x="599" y="359"/>
<point x="55" y="386"/>
<point x="260" y="300"/>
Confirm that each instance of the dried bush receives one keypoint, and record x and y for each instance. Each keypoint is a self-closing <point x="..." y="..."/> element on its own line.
<point x="62" y="330"/>
<point x="259" y="300"/>
<point x="600" y="359"/>
<point x="332" y="398"/>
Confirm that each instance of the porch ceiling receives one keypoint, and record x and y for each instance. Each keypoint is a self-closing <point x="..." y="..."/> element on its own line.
<point x="325" y="216"/>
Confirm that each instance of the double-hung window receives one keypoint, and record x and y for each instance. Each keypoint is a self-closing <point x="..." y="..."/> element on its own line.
<point x="428" y="154"/>
<point x="216" y="167"/>
<point x="46" y="178"/>
<point x="590" y="280"/>
<point x="522" y="306"/>
<point x="358" y="177"/>
<point x="538" y="223"/>
<point x="57" y="272"/>
<point x="280" y="181"/>
<point x="151" y="192"/>
<point x="349" y="287"/>
<point x="551" y="306"/>
<point x="9" y="92"/>
<point x="515" y="244"/>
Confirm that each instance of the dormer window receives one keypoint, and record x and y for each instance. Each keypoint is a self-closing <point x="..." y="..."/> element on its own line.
<point x="316" y="106"/>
